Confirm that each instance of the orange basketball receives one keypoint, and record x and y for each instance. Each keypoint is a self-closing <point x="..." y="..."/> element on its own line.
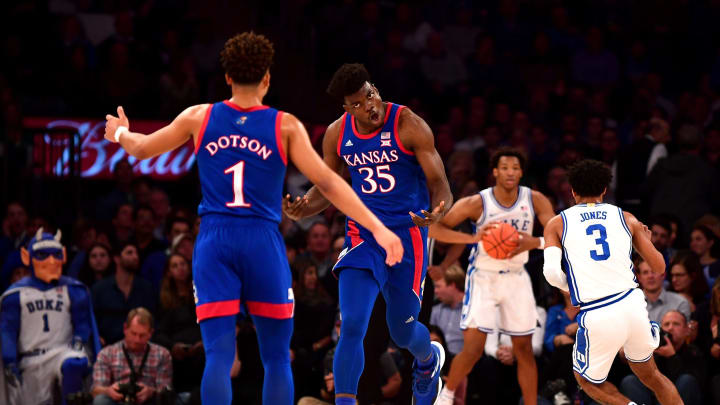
<point x="500" y="240"/>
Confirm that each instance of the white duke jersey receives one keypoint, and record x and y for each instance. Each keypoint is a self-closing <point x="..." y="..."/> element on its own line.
<point x="520" y="216"/>
<point x="45" y="320"/>
<point x="597" y="249"/>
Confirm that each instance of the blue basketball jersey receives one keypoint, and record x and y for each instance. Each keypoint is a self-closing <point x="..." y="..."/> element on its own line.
<point x="386" y="176"/>
<point x="241" y="161"/>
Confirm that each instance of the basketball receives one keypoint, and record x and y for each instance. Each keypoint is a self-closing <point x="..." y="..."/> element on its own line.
<point x="500" y="240"/>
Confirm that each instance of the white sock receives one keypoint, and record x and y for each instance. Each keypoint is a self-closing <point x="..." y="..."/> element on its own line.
<point x="631" y="403"/>
<point x="447" y="393"/>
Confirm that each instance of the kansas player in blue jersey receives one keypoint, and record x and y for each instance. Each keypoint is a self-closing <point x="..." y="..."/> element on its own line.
<point x="239" y="256"/>
<point x="397" y="173"/>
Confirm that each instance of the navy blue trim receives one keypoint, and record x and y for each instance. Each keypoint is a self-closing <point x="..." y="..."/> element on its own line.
<point x="502" y="207"/>
<point x="639" y="361"/>
<point x="525" y="333"/>
<point x="609" y="302"/>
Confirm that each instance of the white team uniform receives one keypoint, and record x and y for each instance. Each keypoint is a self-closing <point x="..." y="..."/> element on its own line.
<point x="597" y="245"/>
<point x="491" y="283"/>
<point x="43" y="343"/>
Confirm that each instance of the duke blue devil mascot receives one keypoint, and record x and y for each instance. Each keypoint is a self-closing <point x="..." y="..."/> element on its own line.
<point x="48" y="335"/>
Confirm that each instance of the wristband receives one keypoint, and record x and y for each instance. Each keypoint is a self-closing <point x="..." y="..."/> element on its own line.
<point x="119" y="131"/>
<point x="542" y="243"/>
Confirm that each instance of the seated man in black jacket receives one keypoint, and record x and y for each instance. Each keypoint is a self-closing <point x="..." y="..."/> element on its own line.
<point x="682" y="363"/>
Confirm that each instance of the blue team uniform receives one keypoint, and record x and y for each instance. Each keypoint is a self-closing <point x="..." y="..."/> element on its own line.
<point x="239" y="253"/>
<point x="390" y="182"/>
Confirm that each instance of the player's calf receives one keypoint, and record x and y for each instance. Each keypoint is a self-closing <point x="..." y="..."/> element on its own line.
<point x="661" y="386"/>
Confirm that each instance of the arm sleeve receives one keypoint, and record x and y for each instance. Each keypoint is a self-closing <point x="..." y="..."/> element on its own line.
<point x="552" y="269"/>
<point x="10" y="327"/>
<point x="80" y="312"/>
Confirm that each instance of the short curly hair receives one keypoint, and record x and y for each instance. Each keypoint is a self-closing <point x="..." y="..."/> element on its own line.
<point x="589" y="178"/>
<point x="348" y="79"/>
<point x="247" y="57"/>
<point x="508" y="152"/>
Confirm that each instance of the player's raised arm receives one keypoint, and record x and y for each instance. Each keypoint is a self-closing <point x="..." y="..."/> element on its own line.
<point x="464" y="208"/>
<point x="314" y="201"/>
<point x="416" y="133"/>
<point x="334" y="188"/>
<point x="141" y="146"/>
<point x="643" y="245"/>
<point x="552" y="267"/>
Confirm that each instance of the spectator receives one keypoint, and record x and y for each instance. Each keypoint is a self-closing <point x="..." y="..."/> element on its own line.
<point x="176" y="226"/>
<point x="318" y="248"/>
<point x="661" y="230"/>
<point x="439" y="67"/>
<point x="98" y="264"/>
<point x="145" y="238"/>
<point x="559" y="339"/>
<point x="160" y="205"/>
<point x="595" y="65"/>
<point x="683" y="184"/>
<point x="123" y="224"/>
<point x="715" y="347"/>
<point x="686" y="279"/>
<point x="116" y="295"/>
<point x="659" y="301"/>
<point x="703" y="242"/>
<point x="637" y="161"/>
<point x="177" y="328"/>
<point x="313" y="320"/>
<point x="14" y="229"/>
<point x="134" y="357"/>
<point x="683" y="364"/>
<point x="450" y="290"/>
<point x="120" y="194"/>
<point x="183" y="244"/>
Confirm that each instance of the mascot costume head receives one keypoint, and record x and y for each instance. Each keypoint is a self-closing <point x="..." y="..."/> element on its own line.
<point x="45" y="256"/>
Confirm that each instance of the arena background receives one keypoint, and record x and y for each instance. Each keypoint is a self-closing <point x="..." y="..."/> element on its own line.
<point x="560" y="80"/>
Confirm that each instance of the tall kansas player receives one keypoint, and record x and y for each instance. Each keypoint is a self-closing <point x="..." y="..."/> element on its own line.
<point x="241" y="149"/>
<point x="493" y="283"/>
<point x="596" y="240"/>
<point x="391" y="156"/>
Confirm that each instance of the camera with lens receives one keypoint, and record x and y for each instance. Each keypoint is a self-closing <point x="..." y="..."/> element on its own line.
<point x="129" y="392"/>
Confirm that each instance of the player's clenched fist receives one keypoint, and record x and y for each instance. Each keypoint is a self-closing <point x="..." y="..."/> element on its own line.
<point x="392" y="245"/>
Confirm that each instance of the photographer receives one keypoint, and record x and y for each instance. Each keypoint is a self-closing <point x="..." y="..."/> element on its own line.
<point x="133" y="370"/>
<point x="682" y="363"/>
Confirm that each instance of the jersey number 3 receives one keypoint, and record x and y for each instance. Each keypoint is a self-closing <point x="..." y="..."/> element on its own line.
<point x="604" y="252"/>
<point x="238" y="171"/>
<point x="381" y="172"/>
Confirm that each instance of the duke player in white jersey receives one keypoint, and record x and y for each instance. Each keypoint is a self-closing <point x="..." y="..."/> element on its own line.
<point x="492" y="283"/>
<point x="596" y="241"/>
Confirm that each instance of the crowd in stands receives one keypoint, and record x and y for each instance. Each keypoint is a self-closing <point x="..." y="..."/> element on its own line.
<point x="633" y="84"/>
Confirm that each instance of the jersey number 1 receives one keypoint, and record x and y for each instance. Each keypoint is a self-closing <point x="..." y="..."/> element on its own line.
<point x="604" y="253"/>
<point x="237" y="170"/>
<point x="46" y="327"/>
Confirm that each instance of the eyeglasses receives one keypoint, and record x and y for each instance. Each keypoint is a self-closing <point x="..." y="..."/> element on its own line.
<point x="44" y="255"/>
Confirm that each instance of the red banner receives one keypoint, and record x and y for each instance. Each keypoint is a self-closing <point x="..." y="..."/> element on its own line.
<point x="53" y="150"/>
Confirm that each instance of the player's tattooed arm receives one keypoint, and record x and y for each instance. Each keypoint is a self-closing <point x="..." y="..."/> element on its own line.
<point x="417" y="136"/>
<point x="314" y="202"/>
<point x="643" y="245"/>
<point x="167" y="138"/>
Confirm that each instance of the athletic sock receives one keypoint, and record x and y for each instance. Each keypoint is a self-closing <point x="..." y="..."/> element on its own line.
<point x="426" y="364"/>
<point x="344" y="401"/>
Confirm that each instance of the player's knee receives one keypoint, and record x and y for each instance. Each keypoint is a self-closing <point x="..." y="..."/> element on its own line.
<point x="522" y="346"/>
<point x="75" y="366"/>
<point x="352" y="328"/>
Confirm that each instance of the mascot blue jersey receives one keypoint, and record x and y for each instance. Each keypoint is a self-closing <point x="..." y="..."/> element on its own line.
<point x="386" y="175"/>
<point x="241" y="161"/>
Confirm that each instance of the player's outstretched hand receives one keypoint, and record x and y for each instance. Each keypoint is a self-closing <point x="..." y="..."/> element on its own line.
<point x="392" y="245"/>
<point x="430" y="217"/>
<point x="294" y="209"/>
<point x="525" y="242"/>
<point x="112" y="123"/>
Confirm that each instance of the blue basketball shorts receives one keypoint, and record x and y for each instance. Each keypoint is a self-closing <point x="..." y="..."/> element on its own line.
<point x="361" y="251"/>
<point x="241" y="261"/>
